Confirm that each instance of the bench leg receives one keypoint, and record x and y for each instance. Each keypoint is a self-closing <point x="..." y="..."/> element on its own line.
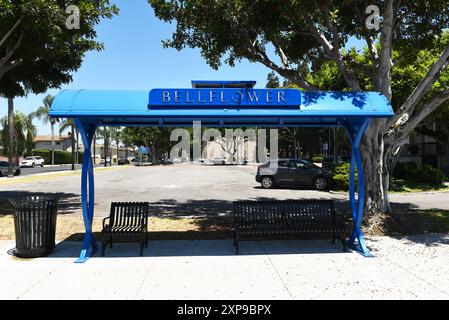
<point x="142" y="243"/>
<point x="146" y="239"/>
<point x="103" y="248"/>
<point x="236" y="244"/>
<point x="343" y="242"/>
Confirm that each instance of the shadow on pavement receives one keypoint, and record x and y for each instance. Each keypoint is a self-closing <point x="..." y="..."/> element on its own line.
<point x="180" y="248"/>
<point x="69" y="202"/>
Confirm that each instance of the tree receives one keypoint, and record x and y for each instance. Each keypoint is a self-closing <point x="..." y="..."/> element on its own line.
<point x="21" y="127"/>
<point x="31" y="132"/>
<point x="116" y="135"/>
<point x="272" y="80"/>
<point x="42" y="113"/>
<point x="157" y="140"/>
<point x="38" y="50"/>
<point x="105" y="133"/>
<point x="306" y="34"/>
<point x="63" y="126"/>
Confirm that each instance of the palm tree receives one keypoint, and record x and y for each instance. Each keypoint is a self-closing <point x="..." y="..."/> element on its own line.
<point x="105" y="133"/>
<point x="42" y="113"/>
<point x="31" y="133"/>
<point x="10" y="135"/>
<point x="18" y="136"/>
<point x="116" y="135"/>
<point x="64" y="125"/>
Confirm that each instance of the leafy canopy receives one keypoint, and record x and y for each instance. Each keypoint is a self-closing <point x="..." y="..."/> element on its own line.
<point x="39" y="51"/>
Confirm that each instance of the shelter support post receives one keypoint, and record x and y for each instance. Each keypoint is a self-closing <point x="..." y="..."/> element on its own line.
<point x="90" y="246"/>
<point x="355" y="133"/>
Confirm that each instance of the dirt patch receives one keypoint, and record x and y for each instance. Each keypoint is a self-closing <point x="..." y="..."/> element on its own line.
<point x="72" y="228"/>
<point x="178" y="228"/>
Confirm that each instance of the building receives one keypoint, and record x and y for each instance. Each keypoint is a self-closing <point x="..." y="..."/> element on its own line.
<point x="424" y="150"/>
<point x="62" y="142"/>
<point x="98" y="152"/>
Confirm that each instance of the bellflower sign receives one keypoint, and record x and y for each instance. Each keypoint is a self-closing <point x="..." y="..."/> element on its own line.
<point x="224" y="98"/>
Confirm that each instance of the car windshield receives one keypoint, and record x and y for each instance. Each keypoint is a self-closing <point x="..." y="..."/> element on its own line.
<point x="29" y="158"/>
<point x="4" y="163"/>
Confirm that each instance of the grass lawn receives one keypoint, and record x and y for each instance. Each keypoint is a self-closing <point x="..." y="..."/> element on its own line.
<point x="404" y="186"/>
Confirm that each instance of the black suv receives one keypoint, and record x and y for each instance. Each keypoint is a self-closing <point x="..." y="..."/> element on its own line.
<point x="293" y="172"/>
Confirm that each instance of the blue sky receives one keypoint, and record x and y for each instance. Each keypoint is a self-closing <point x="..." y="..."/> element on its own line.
<point x="135" y="59"/>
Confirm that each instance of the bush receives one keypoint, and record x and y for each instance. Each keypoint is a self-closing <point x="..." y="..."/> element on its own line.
<point x="405" y="170"/>
<point x="426" y="174"/>
<point x="61" y="157"/>
<point x="317" y="159"/>
<point x="341" y="177"/>
<point x="430" y="175"/>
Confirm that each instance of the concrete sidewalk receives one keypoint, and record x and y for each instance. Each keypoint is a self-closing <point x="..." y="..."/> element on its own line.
<point x="412" y="268"/>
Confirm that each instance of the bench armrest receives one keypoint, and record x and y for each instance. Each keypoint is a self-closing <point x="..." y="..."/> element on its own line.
<point x="104" y="222"/>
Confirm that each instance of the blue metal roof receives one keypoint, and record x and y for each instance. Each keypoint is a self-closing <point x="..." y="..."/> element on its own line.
<point x="133" y="108"/>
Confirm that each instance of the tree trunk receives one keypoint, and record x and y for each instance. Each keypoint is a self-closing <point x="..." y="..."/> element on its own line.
<point x="10" y="136"/>
<point x="377" y="177"/>
<point x="52" y="143"/>
<point x="106" y="147"/>
<point x="73" y="146"/>
<point x="95" y="143"/>
<point x="77" y="146"/>
<point x="126" y="150"/>
<point x="336" y="145"/>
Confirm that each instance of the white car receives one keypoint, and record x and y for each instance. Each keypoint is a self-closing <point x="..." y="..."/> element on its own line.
<point x="32" y="162"/>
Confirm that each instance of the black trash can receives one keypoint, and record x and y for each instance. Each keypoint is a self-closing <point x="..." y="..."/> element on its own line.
<point x="35" y="225"/>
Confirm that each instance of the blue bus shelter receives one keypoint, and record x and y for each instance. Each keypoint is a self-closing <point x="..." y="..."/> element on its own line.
<point x="221" y="104"/>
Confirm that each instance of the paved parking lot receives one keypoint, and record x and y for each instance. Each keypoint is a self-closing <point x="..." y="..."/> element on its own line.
<point x="411" y="268"/>
<point x="189" y="190"/>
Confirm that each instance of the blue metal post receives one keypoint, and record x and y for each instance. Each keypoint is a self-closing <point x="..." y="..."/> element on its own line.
<point x="90" y="247"/>
<point x="357" y="207"/>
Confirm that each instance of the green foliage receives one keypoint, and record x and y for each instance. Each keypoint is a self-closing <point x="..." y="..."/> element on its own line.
<point x="317" y="159"/>
<point x="423" y="175"/>
<point x="341" y="177"/>
<point x="406" y="177"/>
<point x="152" y="138"/>
<point x="24" y="132"/>
<point x="42" y="51"/>
<point x="430" y="175"/>
<point x="61" y="157"/>
<point x="225" y="31"/>
<point x="272" y="81"/>
<point x="405" y="170"/>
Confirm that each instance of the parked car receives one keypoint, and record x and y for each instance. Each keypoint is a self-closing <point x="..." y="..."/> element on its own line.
<point x="218" y="161"/>
<point x="134" y="161"/>
<point x="122" y="161"/>
<point x="167" y="161"/>
<point x="294" y="172"/>
<point x="4" y="166"/>
<point x="108" y="160"/>
<point x="32" y="162"/>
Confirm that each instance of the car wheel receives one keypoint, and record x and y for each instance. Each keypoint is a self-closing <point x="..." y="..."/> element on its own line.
<point x="17" y="173"/>
<point x="42" y="165"/>
<point x="321" y="183"/>
<point x="267" y="182"/>
<point x="33" y="165"/>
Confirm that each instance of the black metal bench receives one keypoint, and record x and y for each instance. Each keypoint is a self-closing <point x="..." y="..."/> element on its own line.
<point x="126" y="219"/>
<point x="292" y="219"/>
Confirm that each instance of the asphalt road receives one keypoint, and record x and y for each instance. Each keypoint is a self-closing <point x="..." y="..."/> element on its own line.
<point x="191" y="190"/>
<point x="46" y="169"/>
